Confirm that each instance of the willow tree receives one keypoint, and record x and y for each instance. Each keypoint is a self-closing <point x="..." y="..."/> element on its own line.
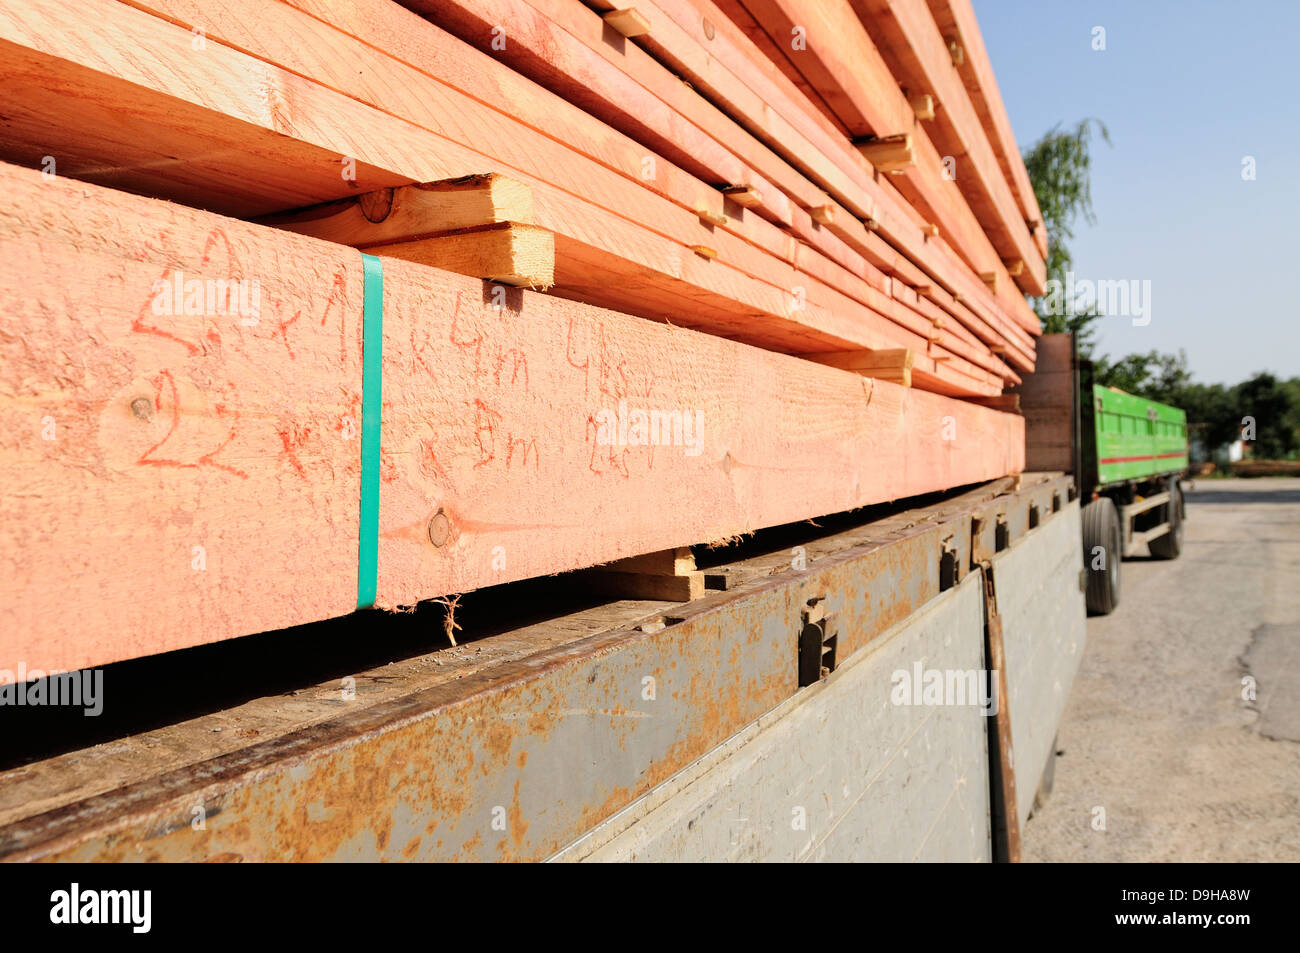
<point x="1060" y="168"/>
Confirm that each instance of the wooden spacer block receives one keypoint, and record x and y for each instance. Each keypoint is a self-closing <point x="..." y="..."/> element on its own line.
<point x="399" y="214"/>
<point x="1004" y="402"/>
<point x="668" y="575"/>
<point x="990" y="278"/>
<point x="922" y="105"/>
<point x="930" y="230"/>
<point x="956" y="51"/>
<point x="894" y="365"/>
<point x="713" y="218"/>
<point x="823" y="214"/>
<point x="669" y="562"/>
<point x="630" y="22"/>
<point x="889" y="153"/>
<point x="1015" y="266"/>
<point x="744" y="195"/>
<point x="704" y="251"/>
<point x="511" y="253"/>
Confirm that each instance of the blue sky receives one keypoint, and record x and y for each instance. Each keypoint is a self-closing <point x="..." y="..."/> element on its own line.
<point x="1187" y="90"/>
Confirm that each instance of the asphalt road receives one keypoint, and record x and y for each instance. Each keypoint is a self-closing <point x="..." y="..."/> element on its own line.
<point x="1162" y="753"/>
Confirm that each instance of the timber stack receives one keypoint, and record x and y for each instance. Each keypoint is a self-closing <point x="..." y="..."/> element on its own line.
<point x="324" y="304"/>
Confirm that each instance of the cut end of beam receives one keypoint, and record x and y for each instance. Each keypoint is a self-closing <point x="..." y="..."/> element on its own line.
<point x="922" y="105"/>
<point x="510" y="253"/>
<point x="412" y="211"/>
<point x="890" y="153"/>
<point x="894" y="365"/>
<point x="824" y="214"/>
<point x="745" y="196"/>
<point x="630" y="22"/>
<point x="669" y="575"/>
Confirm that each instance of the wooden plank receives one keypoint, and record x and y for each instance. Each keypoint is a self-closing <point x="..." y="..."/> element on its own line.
<point x="410" y="211"/>
<point x="666" y="562"/>
<point x="641" y="585"/>
<point x="513" y="254"/>
<point x="629" y="22"/>
<point x="652" y="275"/>
<point x="956" y="18"/>
<point x="677" y="45"/>
<point x="889" y="154"/>
<point x="223" y="456"/>
<point x="843" y="62"/>
<point x="824" y="143"/>
<point x="909" y="40"/>
<point x="895" y="366"/>
<point x="669" y="575"/>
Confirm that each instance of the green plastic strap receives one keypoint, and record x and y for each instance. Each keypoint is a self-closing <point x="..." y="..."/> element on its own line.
<point x="372" y="361"/>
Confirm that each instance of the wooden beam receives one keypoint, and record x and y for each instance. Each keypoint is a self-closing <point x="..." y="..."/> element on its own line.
<point x="911" y="44"/>
<point x="715" y="64"/>
<point x="669" y="575"/>
<point x="893" y="366"/>
<point x="629" y="22"/>
<point x="223" y="455"/>
<point x="464" y="225"/>
<point x="612" y="259"/>
<point x="393" y="215"/>
<point x="513" y="254"/>
<point x="922" y="105"/>
<point x="957" y="18"/>
<point x="744" y="195"/>
<point x="889" y="154"/>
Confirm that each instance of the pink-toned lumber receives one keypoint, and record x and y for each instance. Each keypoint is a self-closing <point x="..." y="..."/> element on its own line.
<point x="910" y="42"/>
<point x="840" y="58"/>
<point x="170" y="479"/>
<point x="956" y="20"/>
<point x="606" y="225"/>
<point x="728" y="66"/>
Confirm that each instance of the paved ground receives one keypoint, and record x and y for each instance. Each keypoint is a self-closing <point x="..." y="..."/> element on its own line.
<point x="1157" y="733"/>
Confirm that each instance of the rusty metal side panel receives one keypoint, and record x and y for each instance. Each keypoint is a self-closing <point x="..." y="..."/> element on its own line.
<point x="838" y="773"/>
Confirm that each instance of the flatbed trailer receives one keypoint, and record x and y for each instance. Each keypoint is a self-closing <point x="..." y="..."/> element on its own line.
<point x="1128" y="452"/>
<point x="765" y="720"/>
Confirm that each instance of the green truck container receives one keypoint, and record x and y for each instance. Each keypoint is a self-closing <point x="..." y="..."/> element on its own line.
<point x="1128" y="455"/>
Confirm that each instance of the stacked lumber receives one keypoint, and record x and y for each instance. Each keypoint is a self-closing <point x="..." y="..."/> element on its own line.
<point x="324" y="304"/>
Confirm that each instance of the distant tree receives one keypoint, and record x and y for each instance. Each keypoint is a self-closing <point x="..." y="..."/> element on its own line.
<point x="1060" y="168"/>
<point x="1270" y="404"/>
<point x="1162" y="377"/>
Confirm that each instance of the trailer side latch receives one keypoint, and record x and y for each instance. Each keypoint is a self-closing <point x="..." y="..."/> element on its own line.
<point x="817" y="640"/>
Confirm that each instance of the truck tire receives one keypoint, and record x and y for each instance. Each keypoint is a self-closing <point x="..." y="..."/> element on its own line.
<point x="1103" y="549"/>
<point x="1170" y="545"/>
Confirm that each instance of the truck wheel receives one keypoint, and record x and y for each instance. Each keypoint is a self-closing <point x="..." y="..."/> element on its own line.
<point x="1170" y="545"/>
<point x="1103" y="548"/>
